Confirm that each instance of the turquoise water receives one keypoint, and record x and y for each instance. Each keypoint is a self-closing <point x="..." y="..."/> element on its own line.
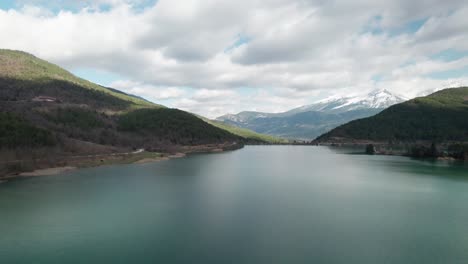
<point x="261" y="204"/>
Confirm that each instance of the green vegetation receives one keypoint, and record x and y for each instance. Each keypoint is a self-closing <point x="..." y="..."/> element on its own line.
<point x="47" y="114"/>
<point x="16" y="132"/>
<point x="248" y="134"/>
<point x="370" y="149"/>
<point x="57" y="104"/>
<point x="439" y="117"/>
<point x="422" y="151"/>
<point x="174" y="125"/>
<point x="19" y="65"/>
<point x="75" y="117"/>
<point x="459" y="151"/>
<point x="15" y="90"/>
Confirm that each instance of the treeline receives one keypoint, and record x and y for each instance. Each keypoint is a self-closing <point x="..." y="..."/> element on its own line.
<point x="441" y="117"/>
<point x="405" y="123"/>
<point x="173" y="125"/>
<point x="16" y="132"/>
<point x="25" y="90"/>
<point x="75" y="117"/>
<point x="56" y="123"/>
<point x="457" y="151"/>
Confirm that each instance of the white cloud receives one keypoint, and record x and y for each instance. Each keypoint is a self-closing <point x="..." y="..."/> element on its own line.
<point x="213" y="103"/>
<point x="148" y="91"/>
<point x="286" y="52"/>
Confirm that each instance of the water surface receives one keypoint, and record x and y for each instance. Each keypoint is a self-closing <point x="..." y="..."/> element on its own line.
<point x="265" y="204"/>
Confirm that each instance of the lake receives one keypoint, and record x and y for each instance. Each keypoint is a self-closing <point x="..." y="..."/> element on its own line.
<point x="260" y="204"/>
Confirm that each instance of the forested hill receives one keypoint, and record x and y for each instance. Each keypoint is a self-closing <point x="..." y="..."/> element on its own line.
<point x="45" y="106"/>
<point x="439" y="117"/>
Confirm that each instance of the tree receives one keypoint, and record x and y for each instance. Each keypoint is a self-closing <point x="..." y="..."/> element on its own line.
<point x="370" y="149"/>
<point x="433" y="152"/>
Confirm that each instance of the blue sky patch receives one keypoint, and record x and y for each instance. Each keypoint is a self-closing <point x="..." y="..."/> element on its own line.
<point x="449" y="55"/>
<point x="56" y="6"/>
<point x="408" y="28"/>
<point x="7" y="4"/>
<point x="142" y="5"/>
<point x="101" y="77"/>
<point x="408" y="63"/>
<point x="450" y="74"/>
<point x="241" y="40"/>
<point x="246" y="91"/>
<point x="374" y="27"/>
<point x="377" y="77"/>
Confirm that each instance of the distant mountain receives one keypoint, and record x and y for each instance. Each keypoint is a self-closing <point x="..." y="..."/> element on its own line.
<point x="378" y="99"/>
<point x="308" y="122"/>
<point x="439" y="117"/>
<point x="45" y="106"/>
<point x="244" y="117"/>
<point x="247" y="133"/>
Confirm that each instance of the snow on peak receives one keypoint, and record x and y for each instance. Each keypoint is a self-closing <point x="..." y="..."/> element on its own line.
<point x="375" y="99"/>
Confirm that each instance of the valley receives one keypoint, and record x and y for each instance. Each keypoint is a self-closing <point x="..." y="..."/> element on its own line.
<point x="310" y="121"/>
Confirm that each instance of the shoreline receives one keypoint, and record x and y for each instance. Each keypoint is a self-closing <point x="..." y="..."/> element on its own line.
<point x="141" y="157"/>
<point x="48" y="171"/>
<point x="168" y="157"/>
<point x="418" y="150"/>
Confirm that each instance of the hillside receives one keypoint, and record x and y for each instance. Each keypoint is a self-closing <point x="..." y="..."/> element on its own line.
<point x="46" y="109"/>
<point x="439" y="117"/>
<point x="248" y="134"/>
<point x="176" y="126"/>
<point x="308" y="122"/>
<point x="25" y="69"/>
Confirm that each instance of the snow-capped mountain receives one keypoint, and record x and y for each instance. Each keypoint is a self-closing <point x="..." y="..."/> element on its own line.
<point x="309" y="121"/>
<point x="243" y="117"/>
<point x="377" y="99"/>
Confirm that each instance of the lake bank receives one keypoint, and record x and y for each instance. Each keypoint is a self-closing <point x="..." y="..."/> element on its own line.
<point x="418" y="149"/>
<point x="65" y="164"/>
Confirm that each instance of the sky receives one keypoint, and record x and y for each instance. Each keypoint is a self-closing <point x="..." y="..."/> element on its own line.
<point x="213" y="57"/>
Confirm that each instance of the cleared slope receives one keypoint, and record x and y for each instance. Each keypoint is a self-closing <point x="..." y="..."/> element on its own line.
<point x="25" y="67"/>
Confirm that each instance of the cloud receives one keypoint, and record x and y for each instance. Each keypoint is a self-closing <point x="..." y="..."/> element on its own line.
<point x="148" y="91"/>
<point x="201" y="55"/>
<point x="213" y="103"/>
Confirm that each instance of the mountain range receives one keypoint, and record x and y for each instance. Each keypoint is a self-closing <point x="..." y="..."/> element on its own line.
<point x="308" y="122"/>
